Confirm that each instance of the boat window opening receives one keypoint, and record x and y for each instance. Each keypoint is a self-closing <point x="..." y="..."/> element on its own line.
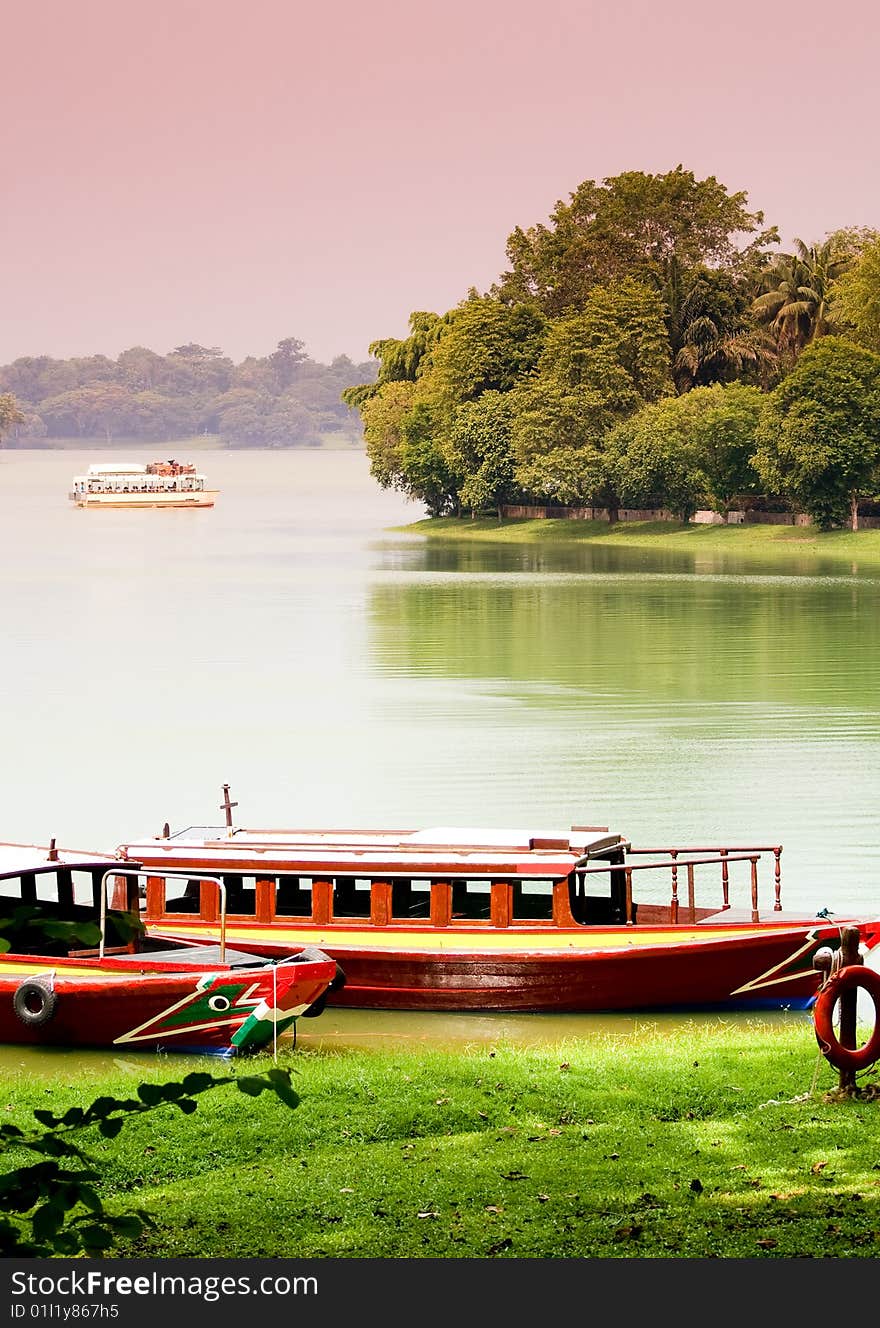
<point x="83" y="889"/>
<point x="13" y="887"/>
<point x="183" y="896"/>
<point x="410" y="899"/>
<point x="471" y="901"/>
<point x="241" y="895"/>
<point x="293" y="897"/>
<point x="47" y="888"/>
<point x="351" y="897"/>
<point x="532" y="901"/>
<point x="598" y="899"/>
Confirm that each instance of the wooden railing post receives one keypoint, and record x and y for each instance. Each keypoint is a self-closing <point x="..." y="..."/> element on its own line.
<point x="756" y="917"/>
<point x="692" y="901"/>
<point x="725" y="880"/>
<point x="849" y="954"/>
<point x="629" y="896"/>
<point x="777" y="880"/>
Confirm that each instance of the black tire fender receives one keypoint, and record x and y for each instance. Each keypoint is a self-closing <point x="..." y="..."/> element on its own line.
<point x="34" y="1002"/>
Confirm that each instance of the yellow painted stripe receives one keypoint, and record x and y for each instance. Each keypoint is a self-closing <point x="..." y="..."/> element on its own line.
<point x="492" y="939"/>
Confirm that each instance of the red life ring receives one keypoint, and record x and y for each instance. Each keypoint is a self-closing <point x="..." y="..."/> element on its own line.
<point x="847" y="1058"/>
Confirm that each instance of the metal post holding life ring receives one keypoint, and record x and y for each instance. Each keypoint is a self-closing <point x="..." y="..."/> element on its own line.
<point x="847" y="979"/>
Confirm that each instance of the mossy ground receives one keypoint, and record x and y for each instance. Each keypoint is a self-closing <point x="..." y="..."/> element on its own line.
<point x="715" y="1140"/>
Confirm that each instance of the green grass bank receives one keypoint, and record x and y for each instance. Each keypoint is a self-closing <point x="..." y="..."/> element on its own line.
<point x="765" y="543"/>
<point x="715" y="1140"/>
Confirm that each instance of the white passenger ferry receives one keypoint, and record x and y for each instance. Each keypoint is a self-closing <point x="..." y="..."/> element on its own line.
<point x="129" y="484"/>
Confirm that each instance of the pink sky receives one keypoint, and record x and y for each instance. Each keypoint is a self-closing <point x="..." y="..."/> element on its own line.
<point x="229" y="173"/>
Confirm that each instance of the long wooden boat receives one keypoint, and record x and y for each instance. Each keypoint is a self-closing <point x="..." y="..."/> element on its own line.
<point x="465" y="919"/>
<point x="79" y="973"/>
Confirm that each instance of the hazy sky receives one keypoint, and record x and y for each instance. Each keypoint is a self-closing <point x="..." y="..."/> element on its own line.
<point x="234" y="173"/>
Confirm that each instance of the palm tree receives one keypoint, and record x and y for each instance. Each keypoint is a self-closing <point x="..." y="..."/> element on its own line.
<point x="796" y="305"/>
<point x="709" y="333"/>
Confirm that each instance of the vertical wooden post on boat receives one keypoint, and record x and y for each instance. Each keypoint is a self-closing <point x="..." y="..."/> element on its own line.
<point x="264" y="898"/>
<point x="499" y="907"/>
<point x="380" y="903"/>
<point x="755" y="914"/>
<point x="322" y="898"/>
<point x="441" y="903"/>
<point x="725" y="880"/>
<point x="692" y="901"/>
<point x="629" y="896"/>
<point x="777" y="880"/>
<point x="673" y="903"/>
<point x="849" y="954"/>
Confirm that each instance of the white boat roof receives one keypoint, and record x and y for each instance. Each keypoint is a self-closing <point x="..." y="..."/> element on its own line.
<point x="18" y="858"/>
<point x="460" y="847"/>
<point x="117" y="468"/>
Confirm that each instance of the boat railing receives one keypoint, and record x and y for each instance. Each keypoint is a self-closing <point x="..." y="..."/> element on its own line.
<point x="676" y="860"/>
<point x="137" y="872"/>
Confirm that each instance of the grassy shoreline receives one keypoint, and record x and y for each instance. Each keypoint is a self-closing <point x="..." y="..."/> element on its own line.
<point x="719" y="1140"/>
<point x="778" y="543"/>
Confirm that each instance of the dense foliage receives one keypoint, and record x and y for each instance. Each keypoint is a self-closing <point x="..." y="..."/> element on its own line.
<point x="284" y="399"/>
<point x="641" y="343"/>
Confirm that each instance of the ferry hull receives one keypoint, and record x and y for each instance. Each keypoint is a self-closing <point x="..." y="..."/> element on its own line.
<point x="170" y="500"/>
<point x="707" y="967"/>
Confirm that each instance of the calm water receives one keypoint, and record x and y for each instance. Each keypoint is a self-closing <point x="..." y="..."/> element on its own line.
<point x="336" y="672"/>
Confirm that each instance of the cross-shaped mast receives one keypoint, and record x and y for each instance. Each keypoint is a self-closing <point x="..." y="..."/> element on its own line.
<point x="227" y="807"/>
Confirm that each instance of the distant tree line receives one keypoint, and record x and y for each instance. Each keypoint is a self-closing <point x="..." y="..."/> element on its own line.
<point x="649" y="346"/>
<point x="285" y="399"/>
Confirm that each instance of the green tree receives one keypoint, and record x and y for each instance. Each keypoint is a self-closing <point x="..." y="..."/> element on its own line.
<point x="486" y="346"/>
<point x="634" y="225"/>
<point x="797" y="304"/>
<point x="856" y="297"/>
<point x="654" y="461"/>
<point x="426" y="473"/>
<point x="286" y="361"/>
<point x="569" y="476"/>
<point x="819" y="434"/>
<point x="711" y="338"/>
<point x="400" y="361"/>
<point x="10" y="414"/>
<point x="383" y="414"/>
<point x="478" y="448"/>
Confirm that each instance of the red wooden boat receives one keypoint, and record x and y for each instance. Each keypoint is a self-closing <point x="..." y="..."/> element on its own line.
<point x="77" y="973"/>
<point x="444" y="919"/>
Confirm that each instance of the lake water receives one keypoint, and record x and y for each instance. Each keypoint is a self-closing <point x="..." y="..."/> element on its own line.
<point x="336" y="672"/>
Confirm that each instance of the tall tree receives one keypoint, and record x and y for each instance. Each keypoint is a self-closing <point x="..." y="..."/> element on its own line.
<point x="478" y="448"/>
<point x="797" y="303"/>
<point x="633" y="225"/>
<point x="711" y="337"/>
<point x="10" y="414"/>
<point x="819" y="435"/>
<point x="856" y="297"/>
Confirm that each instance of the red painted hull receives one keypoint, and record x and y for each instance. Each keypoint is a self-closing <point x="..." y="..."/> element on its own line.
<point x="728" y="967"/>
<point x="169" y="1011"/>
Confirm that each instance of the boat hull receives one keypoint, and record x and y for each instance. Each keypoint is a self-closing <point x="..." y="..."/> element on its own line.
<point x="611" y="969"/>
<point x="170" y="500"/>
<point x="223" y="1012"/>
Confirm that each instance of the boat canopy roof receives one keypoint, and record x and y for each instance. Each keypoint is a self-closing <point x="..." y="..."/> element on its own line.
<point x="431" y="851"/>
<point x="117" y="468"/>
<point x="16" y="859"/>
